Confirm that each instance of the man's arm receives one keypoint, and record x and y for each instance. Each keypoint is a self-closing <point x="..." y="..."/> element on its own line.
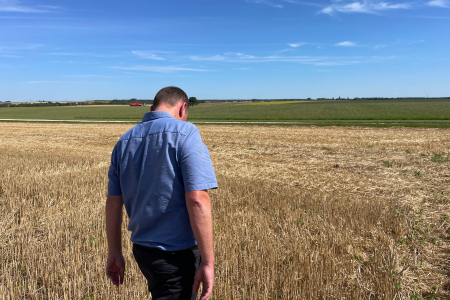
<point x="115" y="266"/>
<point x="199" y="208"/>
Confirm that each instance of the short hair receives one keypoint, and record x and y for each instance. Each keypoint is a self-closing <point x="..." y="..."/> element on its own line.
<point x="170" y="96"/>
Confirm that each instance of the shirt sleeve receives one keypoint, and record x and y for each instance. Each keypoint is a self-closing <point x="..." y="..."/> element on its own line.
<point x="195" y="163"/>
<point x="114" y="188"/>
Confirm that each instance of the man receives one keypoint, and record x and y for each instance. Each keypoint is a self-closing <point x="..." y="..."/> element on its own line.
<point x="161" y="171"/>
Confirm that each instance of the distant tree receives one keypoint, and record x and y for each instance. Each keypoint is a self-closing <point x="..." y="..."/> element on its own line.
<point x="133" y="100"/>
<point x="193" y="101"/>
<point x="308" y="98"/>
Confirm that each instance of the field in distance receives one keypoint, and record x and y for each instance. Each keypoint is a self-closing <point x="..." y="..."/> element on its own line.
<point x="300" y="213"/>
<point x="418" y="113"/>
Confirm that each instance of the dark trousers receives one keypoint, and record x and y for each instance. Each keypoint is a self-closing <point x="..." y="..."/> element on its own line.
<point x="170" y="275"/>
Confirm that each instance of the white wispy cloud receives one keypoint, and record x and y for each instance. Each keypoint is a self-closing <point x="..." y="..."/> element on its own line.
<point x="416" y="42"/>
<point x="440" y="3"/>
<point x="279" y="52"/>
<point x="90" y="76"/>
<point x="240" y="54"/>
<point x="67" y="53"/>
<point x="11" y="56"/>
<point x="337" y="63"/>
<point x="209" y="58"/>
<point x="159" y="69"/>
<point x="307" y="60"/>
<point x="431" y="17"/>
<point x="10" y="66"/>
<point x="379" y="46"/>
<point x="295" y="45"/>
<point x="226" y="57"/>
<point x="274" y="3"/>
<point x="365" y="6"/>
<point x="408" y="42"/>
<point x="17" y="51"/>
<point x="303" y="3"/>
<point x="44" y="81"/>
<point x="20" y="47"/>
<point x="15" y="6"/>
<point x="346" y="44"/>
<point x="150" y="54"/>
<point x="80" y="54"/>
<point x="63" y="62"/>
<point x="266" y="2"/>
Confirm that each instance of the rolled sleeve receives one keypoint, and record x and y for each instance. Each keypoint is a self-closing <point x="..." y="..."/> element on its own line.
<point x="114" y="188"/>
<point x="195" y="163"/>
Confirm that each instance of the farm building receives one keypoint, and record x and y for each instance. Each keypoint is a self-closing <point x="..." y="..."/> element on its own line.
<point x="136" y="104"/>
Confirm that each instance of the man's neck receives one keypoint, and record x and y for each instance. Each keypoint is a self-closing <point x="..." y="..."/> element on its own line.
<point x="171" y="110"/>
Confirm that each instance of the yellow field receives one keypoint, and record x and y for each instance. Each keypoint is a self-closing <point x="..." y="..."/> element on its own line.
<point x="300" y="213"/>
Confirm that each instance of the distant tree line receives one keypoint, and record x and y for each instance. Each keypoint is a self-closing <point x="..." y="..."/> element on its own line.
<point x="39" y="104"/>
<point x="123" y="102"/>
<point x="194" y="101"/>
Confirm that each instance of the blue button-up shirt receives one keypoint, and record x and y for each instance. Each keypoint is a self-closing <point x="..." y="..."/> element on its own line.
<point x="152" y="166"/>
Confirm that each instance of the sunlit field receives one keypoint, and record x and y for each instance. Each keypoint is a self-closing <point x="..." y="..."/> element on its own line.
<point x="300" y="213"/>
<point x="432" y="113"/>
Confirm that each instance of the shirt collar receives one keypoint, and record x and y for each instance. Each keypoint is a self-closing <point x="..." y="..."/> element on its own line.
<point x="153" y="115"/>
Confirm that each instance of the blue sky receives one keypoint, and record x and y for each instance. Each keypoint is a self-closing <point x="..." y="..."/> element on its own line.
<point x="240" y="49"/>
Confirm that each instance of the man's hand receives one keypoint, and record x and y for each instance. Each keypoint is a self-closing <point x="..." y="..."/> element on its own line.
<point x="204" y="274"/>
<point x="199" y="208"/>
<point x="115" y="268"/>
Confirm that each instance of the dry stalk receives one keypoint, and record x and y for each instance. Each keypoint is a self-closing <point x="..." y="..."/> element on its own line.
<point x="301" y="212"/>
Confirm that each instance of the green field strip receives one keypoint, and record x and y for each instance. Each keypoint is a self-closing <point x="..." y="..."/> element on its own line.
<point x="414" y="113"/>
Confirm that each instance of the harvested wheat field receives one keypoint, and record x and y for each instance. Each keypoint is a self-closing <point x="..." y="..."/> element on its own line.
<point x="300" y="213"/>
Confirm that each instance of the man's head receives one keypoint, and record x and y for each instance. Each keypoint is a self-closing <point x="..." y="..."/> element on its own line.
<point x="172" y="100"/>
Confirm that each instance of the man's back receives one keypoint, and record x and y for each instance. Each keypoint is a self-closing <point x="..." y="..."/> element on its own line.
<point x="161" y="171"/>
<point x="152" y="166"/>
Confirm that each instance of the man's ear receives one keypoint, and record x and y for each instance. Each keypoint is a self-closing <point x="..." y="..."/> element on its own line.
<point x="152" y="108"/>
<point x="182" y="111"/>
